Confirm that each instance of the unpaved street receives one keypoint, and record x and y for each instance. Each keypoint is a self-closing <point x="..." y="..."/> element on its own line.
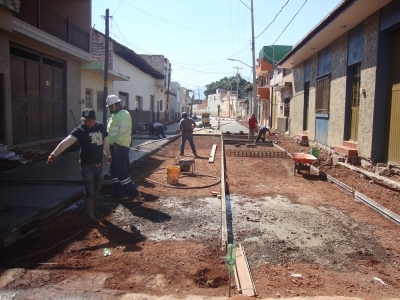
<point x="302" y="236"/>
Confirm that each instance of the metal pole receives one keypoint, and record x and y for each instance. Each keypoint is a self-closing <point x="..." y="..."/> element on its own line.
<point x="254" y="67"/>
<point x="198" y="90"/>
<point x="106" y="50"/>
<point x="169" y="81"/>
<point x="237" y="86"/>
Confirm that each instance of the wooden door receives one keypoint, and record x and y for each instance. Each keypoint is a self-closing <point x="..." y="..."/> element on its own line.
<point x="394" y="90"/>
<point x="355" y="102"/>
<point x="37" y="97"/>
<point x="2" y="103"/>
<point x="25" y="100"/>
<point x="306" y="105"/>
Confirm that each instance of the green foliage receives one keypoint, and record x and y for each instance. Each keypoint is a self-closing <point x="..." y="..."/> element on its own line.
<point x="226" y="84"/>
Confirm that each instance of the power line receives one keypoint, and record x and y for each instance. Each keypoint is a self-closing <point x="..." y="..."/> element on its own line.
<point x="195" y="30"/>
<point x="290" y="21"/>
<point x="273" y="19"/>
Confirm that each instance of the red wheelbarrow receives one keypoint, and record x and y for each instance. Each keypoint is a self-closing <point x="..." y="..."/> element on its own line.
<point x="302" y="161"/>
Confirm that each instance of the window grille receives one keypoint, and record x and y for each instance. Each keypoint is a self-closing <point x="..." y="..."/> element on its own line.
<point x="323" y="95"/>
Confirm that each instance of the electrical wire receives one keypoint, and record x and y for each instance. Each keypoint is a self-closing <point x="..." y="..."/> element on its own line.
<point x="195" y="30"/>
<point x="290" y="21"/>
<point x="273" y="19"/>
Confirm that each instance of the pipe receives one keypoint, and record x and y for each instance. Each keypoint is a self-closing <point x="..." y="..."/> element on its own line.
<point x="73" y="117"/>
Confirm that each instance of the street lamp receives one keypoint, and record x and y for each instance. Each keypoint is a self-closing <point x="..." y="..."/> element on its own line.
<point x="254" y="84"/>
<point x="240" y="61"/>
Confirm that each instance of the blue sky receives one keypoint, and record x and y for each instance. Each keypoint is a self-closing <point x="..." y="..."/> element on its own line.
<point x="198" y="36"/>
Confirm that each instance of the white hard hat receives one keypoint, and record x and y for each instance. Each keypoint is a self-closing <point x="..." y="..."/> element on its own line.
<point x="112" y="99"/>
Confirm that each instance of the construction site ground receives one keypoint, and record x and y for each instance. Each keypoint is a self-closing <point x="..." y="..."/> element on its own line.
<point x="303" y="236"/>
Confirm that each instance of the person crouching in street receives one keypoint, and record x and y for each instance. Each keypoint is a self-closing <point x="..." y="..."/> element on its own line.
<point x="119" y="129"/>
<point x="261" y="133"/>
<point x="186" y="126"/>
<point x="158" y="129"/>
<point x="92" y="138"/>
<point x="252" y="126"/>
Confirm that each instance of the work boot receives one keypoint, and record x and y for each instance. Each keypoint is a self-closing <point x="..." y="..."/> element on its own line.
<point x="89" y="210"/>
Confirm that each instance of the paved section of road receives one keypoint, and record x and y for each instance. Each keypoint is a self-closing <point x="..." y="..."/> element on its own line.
<point x="35" y="191"/>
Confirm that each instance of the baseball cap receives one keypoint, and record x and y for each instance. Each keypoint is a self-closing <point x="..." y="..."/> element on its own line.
<point x="184" y="114"/>
<point x="88" y="114"/>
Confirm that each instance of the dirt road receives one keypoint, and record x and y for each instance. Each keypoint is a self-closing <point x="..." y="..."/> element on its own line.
<point x="302" y="235"/>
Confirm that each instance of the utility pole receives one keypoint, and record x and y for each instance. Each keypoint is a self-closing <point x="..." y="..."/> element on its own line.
<point x="106" y="53"/>
<point x="237" y="87"/>
<point x="169" y="81"/>
<point x="198" y="90"/>
<point x="255" y="105"/>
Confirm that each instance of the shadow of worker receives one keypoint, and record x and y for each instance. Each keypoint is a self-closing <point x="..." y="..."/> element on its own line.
<point x="119" y="237"/>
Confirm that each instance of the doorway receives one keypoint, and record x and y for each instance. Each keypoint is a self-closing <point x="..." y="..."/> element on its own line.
<point x="355" y="101"/>
<point x="37" y="96"/>
<point x="394" y="100"/>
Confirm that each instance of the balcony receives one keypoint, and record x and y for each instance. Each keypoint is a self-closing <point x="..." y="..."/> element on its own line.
<point x="40" y="16"/>
<point x="263" y="92"/>
<point x="263" y="67"/>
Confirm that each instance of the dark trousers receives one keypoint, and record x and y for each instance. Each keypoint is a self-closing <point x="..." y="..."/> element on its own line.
<point x="261" y="134"/>
<point x="189" y="137"/>
<point x="160" y="132"/>
<point x="120" y="179"/>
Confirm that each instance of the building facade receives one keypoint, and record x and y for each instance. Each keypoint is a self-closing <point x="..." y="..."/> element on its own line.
<point x="346" y="79"/>
<point x="40" y="73"/>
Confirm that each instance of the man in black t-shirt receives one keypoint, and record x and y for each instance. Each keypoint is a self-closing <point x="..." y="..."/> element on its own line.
<point x="92" y="138"/>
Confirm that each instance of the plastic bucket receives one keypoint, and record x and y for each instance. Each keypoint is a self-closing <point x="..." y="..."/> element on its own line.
<point x="172" y="175"/>
<point x="314" y="152"/>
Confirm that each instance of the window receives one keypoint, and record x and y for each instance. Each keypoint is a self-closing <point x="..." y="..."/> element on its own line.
<point x="89" y="100"/>
<point x="139" y="103"/>
<point x="286" y="111"/>
<point x="355" y="91"/>
<point x="125" y="99"/>
<point x="100" y="100"/>
<point x="161" y="105"/>
<point x="151" y="103"/>
<point x="323" y="95"/>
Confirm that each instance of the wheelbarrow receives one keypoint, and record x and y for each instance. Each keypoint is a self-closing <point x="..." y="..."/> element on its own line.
<point x="302" y="161"/>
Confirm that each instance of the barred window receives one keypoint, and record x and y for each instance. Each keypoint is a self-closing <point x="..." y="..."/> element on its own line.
<point x="100" y="101"/>
<point x="323" y="95"/>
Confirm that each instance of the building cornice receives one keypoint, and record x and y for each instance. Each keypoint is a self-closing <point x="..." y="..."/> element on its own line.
<point x="38" y="35"/>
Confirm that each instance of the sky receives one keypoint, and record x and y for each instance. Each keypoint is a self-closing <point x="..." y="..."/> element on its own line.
<point x="198" y="36"/>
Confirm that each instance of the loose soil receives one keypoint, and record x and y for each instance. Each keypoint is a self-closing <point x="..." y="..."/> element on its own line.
<point x="302" y="235"/>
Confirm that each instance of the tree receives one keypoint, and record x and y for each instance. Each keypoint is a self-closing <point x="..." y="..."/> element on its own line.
<point x="226" y="84"/>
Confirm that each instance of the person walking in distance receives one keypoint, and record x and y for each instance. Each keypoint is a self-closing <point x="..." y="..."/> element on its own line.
<point x="252" y="126"/>
<point x="157" y="128"/>
<point x="92" y="138"/>
<point x="119" y="129"/>
<point x="186" y="126"/>
<point x="261" y="133"/>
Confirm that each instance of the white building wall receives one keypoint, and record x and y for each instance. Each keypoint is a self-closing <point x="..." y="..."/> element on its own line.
<point x="175" y="100"/>
<point x="95" y="82"/>
<point x="214" y="100"/>
<point x="140" y="84"/>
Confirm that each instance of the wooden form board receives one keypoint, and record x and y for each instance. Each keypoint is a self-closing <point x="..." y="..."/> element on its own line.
<point x="244" y="280"/>
<point x="224" y="230"/>
<point x="212" y="154"/>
